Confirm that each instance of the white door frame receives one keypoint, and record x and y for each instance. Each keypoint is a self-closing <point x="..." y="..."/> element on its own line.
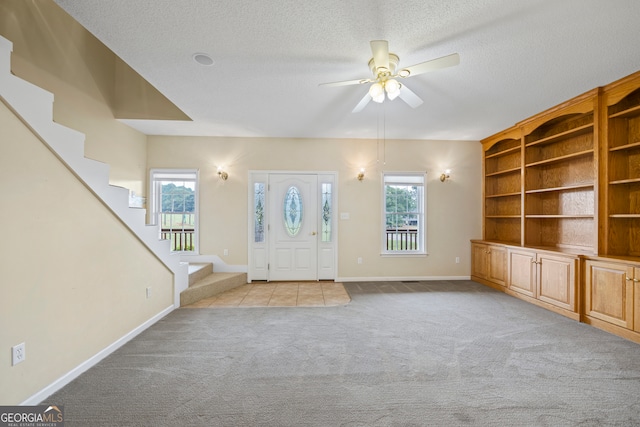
<point x="258" y="251"/>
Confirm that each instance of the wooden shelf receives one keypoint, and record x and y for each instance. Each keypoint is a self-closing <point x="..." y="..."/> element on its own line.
<point x="502" y="195"/>
<point x="626" y="146"/>
<point x="504" y="172"/>
<point x="503" y="153"/>
<point x="502" y="242"/>
<point x="565" y="249"/>
<point x="633" y="111"/>
<point x="632" y="216"/>
<point x="625" y="181"/>
<point x="560" y="158"/>
<point x="563" y="188"/>
<point x="503" y="216"/>
<point x="562" y="135"/>
<point x="559" y="216"/>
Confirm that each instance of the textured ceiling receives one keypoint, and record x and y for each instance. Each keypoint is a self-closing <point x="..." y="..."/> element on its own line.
<point x="517" y="58"/>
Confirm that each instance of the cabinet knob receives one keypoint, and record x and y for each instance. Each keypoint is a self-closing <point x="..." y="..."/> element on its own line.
<point x="636" y="280"/>
<point x="628" y="278"/>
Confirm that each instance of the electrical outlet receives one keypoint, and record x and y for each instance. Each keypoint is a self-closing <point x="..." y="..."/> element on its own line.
<point x="149" y="292"/>
<point x="457" y="260"/>
<point x="226" y="252"/>
<point x="359" y="260"/>
<point x="18" y="354"/>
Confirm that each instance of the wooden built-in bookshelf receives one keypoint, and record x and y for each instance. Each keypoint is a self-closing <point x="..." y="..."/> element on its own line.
<point x="559" y="167"/>
<point x="562" y="198"/>
<point x="503" y="188"/>
<point x="540" y="180"/>
<point x="622" y="103"/>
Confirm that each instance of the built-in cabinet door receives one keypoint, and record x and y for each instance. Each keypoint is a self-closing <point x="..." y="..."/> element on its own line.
<point x="636" y="299"/>
<point x="479" y="264"/>
<point x="557" y="280"/>
<point x="609" y="292"/>
<point x="497" y="265"/>
<point x="489" y="262"/>
<point x="522" y="272"/>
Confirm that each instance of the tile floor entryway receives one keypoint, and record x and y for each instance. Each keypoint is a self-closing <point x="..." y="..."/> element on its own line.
<point x="279" y="294"/>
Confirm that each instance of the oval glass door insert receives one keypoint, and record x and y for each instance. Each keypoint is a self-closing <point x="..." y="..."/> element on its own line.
<point x="293" y="211"/>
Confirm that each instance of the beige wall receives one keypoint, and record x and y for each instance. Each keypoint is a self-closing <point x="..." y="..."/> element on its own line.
<point x="72" y="277"/>
<point x="454" y="207"/>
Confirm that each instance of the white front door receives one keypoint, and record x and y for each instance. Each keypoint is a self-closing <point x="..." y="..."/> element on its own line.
<point x="293" y="233"/>
<point x="293" y="226"/>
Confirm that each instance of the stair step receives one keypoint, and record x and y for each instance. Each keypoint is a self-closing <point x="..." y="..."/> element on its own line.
<point x="213" y="284"/>
<point x="198" y="271"/>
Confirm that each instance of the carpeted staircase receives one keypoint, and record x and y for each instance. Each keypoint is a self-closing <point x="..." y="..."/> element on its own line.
<point x="204" y="283"/>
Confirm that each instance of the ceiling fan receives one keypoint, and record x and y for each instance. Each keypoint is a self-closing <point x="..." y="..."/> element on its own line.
<point x="384" y="66"/>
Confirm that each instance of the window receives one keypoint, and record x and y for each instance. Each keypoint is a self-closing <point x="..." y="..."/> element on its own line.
<point x="258" y="212"/>
<point x="174" y="206"/>
<point x="327" y="198"/>
<point x="403" y="213"/>
<point x="293" y="211"/>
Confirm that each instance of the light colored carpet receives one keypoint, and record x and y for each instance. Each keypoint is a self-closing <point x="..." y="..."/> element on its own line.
<point x="400" y="354"/>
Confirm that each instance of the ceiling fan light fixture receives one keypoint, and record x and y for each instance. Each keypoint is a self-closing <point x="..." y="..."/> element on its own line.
<point x="404" y="73"/>
<point x="392" y="87"/>
<point x="376" y="91"/>
<point x="379" y="99"/>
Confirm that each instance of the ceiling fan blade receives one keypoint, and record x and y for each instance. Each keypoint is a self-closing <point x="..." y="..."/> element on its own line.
<point x="380" y="50"/>
<point x="363" y="103"/>
<point x="347" y="82"/>
<point x="434" y="64"/>
<point x="409" y="97"/>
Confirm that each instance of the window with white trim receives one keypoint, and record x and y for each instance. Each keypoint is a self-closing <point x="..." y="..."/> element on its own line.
<point x="403" y="228"/>
<point x="174" y="204"/>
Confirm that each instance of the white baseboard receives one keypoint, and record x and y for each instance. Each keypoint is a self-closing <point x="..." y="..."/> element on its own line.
<point x="399" y="279"/>
<point x="86" y="365"/>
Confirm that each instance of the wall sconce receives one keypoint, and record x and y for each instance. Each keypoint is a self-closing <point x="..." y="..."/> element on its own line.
<point x="222" y="174"/>
<point x="360" y="175"/>
<point x="445" y="175"/>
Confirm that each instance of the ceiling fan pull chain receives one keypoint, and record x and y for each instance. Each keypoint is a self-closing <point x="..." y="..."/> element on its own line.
<point x="384" y="136"/>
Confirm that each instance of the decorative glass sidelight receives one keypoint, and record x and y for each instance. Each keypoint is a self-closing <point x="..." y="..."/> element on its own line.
<point x="258" y="210"/>
<point x="326" y="212"/>
<point x="293" y="211"/>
